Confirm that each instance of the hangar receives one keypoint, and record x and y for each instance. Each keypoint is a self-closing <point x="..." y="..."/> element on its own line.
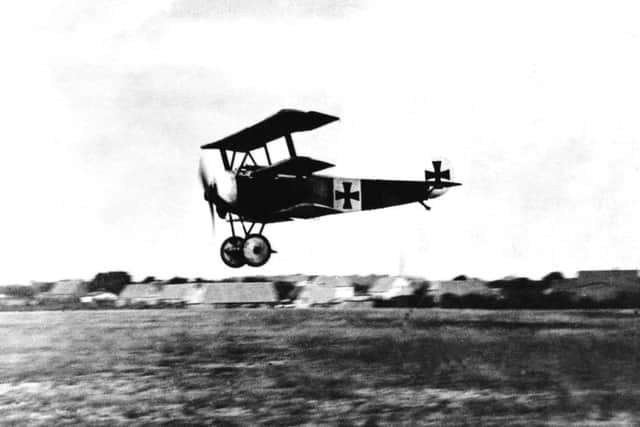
<point x="460" y="288"/>
<point x="63" y="291"/>
<point x="324" y="290"/>
<point x="390" y="287"/>
<point x="199" y="294"/>
<point x="233" y="294"/>
<point x="600" y="285"/>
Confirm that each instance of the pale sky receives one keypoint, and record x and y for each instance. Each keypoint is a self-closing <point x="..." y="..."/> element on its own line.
<point x="535" y="104"/>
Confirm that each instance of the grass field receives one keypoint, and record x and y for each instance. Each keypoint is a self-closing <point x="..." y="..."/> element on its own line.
<point x="289" y="367"/>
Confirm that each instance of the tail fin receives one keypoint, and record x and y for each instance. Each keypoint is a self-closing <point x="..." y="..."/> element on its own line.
<point x="439" y="180"/>
<point x="438" y="174"/>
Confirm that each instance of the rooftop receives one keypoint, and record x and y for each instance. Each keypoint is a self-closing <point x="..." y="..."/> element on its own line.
<point x="240" y="293"/>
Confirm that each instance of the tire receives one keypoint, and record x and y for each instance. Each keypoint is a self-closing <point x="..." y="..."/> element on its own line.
<point x="256" y="250"/>
<point x="231" y="252"/>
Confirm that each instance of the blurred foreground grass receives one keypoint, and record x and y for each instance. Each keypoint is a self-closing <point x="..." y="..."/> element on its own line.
<point x="286" y="367"/>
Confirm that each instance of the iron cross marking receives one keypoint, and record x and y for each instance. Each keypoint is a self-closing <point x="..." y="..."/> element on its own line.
<point x="437" y="174"/>
<point x="347" y="195"/>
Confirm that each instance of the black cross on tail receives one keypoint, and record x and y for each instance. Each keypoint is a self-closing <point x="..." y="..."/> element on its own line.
<point x="437" y="175"/>
<point x="347" y="195"/>
<point x="435" y="179"/>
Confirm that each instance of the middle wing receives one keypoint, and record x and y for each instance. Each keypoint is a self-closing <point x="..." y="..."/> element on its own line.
<point x="296" y="166"/>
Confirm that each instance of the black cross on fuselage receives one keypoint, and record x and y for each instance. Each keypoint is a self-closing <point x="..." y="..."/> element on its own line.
<point x="347" y="195"/>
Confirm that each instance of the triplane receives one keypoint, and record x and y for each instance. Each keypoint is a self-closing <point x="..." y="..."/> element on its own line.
<point x="254" y="195"/>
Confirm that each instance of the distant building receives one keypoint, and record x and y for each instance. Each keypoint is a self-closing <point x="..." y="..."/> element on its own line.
<point x="324" y="290"/>
<point x="162" y="294"/>
<point x="311" y="294"/>
<point x="599" y="285"/>
<point x="460" y="288"/>
<point x="13" y="300"/>
<point x="390" y="287"/>
<point x="342" y="286"/>
<point x="99" y="298"/>
<point x="183" y="293"/>
<point x="63" y="291"/>
<point x="239" y="294"/>
<point x="148" y="294"/>
<point x="623" y="278"/>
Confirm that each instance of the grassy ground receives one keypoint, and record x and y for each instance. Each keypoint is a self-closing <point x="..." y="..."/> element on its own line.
<point x="289" y="367"/>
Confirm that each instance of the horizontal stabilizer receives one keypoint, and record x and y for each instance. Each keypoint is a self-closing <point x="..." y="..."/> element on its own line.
<point x="284" y="122"/>
<point x="442" y="184"/>
<point x="297" y="166"/>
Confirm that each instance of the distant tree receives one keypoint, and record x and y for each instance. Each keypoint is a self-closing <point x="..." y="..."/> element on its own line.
<point x="17" y="291"/>
<point x="449" y="300"/>
<point x="421" y="297"/>
<point x="559" y="300"/>
<point x="39" y="287"/>
<point x="461" y="277"/>
<point x="284" y="289"/>
<point x="149" y="279"/>
<point x="588" y="303"/>
<point x="365" y="282"/>
<point x="112" y="281"/>
<point x="520" y="292"/>
<point x="254" y="279"/>
<point x="627" y="300"/>
<point x="360" y="288"/>
<point x="552" y="277"/>
<point x="176" y="280"/>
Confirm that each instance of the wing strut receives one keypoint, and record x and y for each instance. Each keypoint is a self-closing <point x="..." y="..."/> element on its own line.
<point x="290" y="146"/>
<point x="233" y="159"/>
<point x="225" y="160"/>
<point x="266" y="152"/>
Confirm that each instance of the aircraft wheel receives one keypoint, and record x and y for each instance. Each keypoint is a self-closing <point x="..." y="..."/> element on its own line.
<point x="231" y="252"/>
<point x="256" y="250"/>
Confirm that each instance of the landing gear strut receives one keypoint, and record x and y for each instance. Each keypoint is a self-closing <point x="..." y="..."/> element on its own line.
<point x="253" y="250"/>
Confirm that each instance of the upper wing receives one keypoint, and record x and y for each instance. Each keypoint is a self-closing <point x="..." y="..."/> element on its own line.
<point x="284" y="122"/>
<point x="298" y="166"/>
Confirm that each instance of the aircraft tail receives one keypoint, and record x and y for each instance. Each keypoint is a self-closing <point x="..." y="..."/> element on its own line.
<point x="440" y="179"/>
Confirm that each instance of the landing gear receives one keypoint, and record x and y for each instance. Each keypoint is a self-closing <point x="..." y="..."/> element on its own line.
<point x="256" y="250"/>
<point x="253" y="250"/>
<point x="231" y="252"/>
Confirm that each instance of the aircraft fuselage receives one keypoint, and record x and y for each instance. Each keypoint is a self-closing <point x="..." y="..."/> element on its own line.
<point x="262" y="197"/>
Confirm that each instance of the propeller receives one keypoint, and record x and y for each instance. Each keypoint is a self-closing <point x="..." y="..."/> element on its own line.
<point x="213" y="218"/>
<point x="209" y="187"/>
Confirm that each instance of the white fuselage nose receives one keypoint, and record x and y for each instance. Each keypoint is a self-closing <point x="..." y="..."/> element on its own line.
<point x="227" y="186"/>
<point x="223" y="182"/>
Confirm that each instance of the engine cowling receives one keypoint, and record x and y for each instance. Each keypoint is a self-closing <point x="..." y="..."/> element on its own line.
<point x="219" y="185"/>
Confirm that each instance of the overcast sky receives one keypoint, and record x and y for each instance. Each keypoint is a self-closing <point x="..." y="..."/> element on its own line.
<point x="536" y="105"/>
